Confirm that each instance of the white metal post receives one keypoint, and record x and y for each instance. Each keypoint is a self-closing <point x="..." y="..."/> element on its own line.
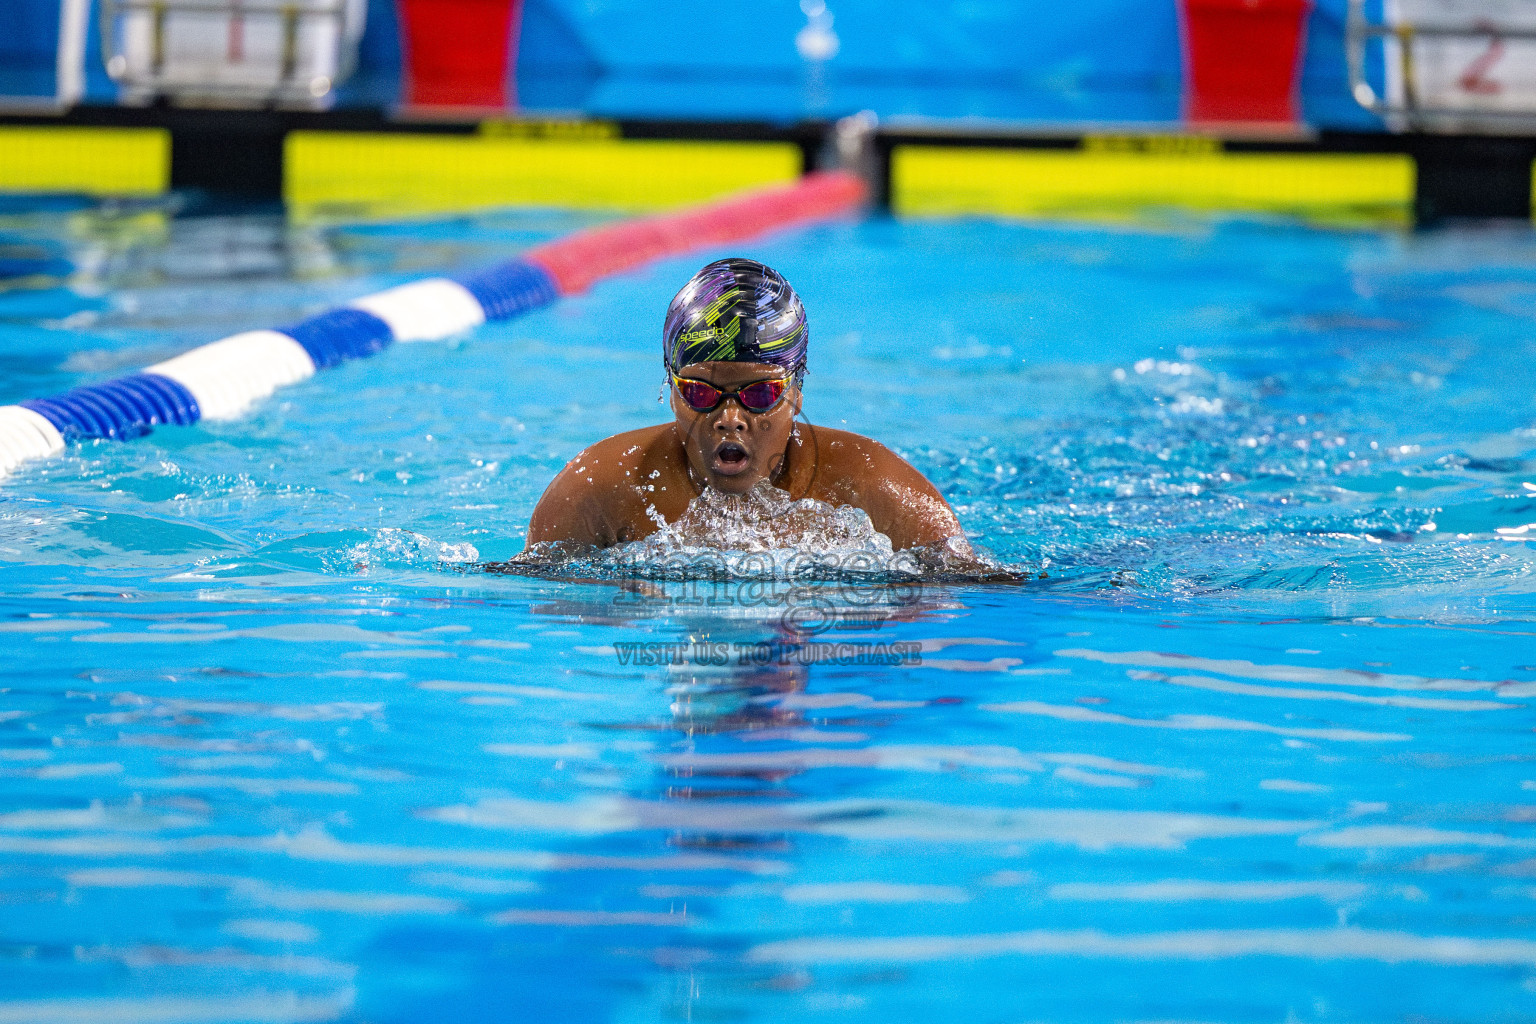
<point x="74" y="19"/>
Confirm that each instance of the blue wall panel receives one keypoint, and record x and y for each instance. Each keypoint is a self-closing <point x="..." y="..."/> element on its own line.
<point x="29" y="38"/>
<point x="376" y="83"/>
<point x="1026" y="59"/>
<point x="557" y="69"/>
<point x="1325" y="93"/>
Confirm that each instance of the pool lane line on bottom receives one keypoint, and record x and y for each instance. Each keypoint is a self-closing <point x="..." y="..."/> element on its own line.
<point x="223" y="379"/>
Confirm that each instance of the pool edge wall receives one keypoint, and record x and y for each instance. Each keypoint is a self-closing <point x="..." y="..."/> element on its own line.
<point x="366" y="163"/>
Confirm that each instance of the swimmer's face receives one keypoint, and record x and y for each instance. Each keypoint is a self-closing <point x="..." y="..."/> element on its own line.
<point x="732" y="448"/>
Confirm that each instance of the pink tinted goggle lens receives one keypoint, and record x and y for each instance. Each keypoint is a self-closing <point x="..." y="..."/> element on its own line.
<point x="759" y="396"/>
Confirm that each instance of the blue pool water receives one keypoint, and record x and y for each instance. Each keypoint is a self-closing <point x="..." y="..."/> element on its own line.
<point x="1258" y="747"/>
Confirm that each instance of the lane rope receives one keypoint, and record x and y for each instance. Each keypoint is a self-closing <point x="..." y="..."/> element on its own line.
<point x="224" y="379"/>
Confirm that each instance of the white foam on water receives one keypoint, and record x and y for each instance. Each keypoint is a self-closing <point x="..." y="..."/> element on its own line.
<point x="225" y="961"/>
<point x="1366" y="836"/>
<point x="966" y="664"/>
<point x="292" y="632"/>
<point x="592" y="918"/>
<point x="263" y="893"/>
<point x="546" y="751"/>
<point x="315" y="845"/>
<point x="256" y="1008"/>
<point x="1185" y="890"/>
<point x="1068" y="774"/>
<point x="1293" y="786"/>
<point x="98" y="816"/>
<point x="1278" y="673"/>
<point x="1295" y="943"/>
<point x="171" y="707"/>
<point x="591" y="816"/>
<point x="281" y="897"/>
<point x="50" y="625"/>
<point x="1112" y="764"/>
<point x="74" y="770"/>
<point x="473" y="883"/>
<point x="873" y="892"/>
<point x="1194" y="723"/>
<point x="1344" y="696"/>
<point x="250" y="785"/>
<point x="895" y="756"/>
<point x="395" y="549"/>
<point x="507" y="690"/>
<point x="146" y="878"/>
<point x="817" y="701"/>
<point x="870" y="820"/>
<point x="268" y="930"/>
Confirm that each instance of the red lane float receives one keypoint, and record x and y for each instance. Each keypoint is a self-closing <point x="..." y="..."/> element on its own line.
<point x="574" y="263"/>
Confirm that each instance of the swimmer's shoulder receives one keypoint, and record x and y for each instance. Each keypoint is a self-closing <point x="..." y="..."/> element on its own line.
<point x="600" y="497"/>
<point x="847" y="462"/>
<point x="851" y="469"/>
<point x="623" y="453"/>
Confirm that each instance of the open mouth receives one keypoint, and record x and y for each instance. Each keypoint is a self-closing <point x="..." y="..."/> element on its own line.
<point x="730" y="457"/>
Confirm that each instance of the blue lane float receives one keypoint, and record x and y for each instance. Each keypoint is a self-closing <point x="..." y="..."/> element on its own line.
<point x="119" y="409"/>
<point x="223" y="379"/>
<point x="340" y="334"/>
<point x="511" y="289"/>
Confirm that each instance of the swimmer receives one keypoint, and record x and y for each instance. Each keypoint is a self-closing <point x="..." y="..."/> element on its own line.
<point x="734" y="345"/>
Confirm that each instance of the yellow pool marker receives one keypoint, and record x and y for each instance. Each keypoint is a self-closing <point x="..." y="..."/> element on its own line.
<point x="1107" y="176"/>
<point x="400" y="171"/>
<point x="95" y="161"/>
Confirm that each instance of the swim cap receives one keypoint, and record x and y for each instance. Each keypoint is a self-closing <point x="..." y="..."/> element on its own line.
<point x="737" y="311"/>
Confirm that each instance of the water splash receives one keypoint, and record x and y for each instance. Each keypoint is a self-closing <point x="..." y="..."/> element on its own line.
<point x="352" y="552"/>
<point x="767" y="521"/>
<point x="391" y="548"/>
<point x="767" y="534"/>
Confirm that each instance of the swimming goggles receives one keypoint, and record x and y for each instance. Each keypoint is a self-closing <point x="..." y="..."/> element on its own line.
<point x="757" y="397"/>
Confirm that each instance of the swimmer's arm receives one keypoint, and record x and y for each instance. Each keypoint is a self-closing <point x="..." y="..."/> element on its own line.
<point x="901" y="502"/>
<point x="596" y="501"/>
<point x="573" y="510"/>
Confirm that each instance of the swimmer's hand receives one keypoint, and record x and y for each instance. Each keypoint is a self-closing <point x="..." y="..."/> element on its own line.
<point x="953" y="560"/>
<point x="567" y="563"/>
<point x="545" y="555"/>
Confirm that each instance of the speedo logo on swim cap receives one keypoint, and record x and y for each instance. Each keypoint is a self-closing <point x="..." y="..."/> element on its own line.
<point x="708" y="334"/>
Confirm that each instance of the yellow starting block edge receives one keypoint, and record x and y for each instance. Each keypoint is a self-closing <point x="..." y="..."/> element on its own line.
<point x="426" y="172"/>
<point x="1533" y="190"/>
<point x="94" y="161"/>
<point x="961" y="181"/>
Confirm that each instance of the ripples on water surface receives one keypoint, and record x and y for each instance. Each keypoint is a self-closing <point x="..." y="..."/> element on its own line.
<point x="1258" y="749"/>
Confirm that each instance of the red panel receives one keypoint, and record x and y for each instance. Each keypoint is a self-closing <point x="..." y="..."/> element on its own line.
<point x="458" y="52"/>
<point x="1242" y="58"/>
<point x="578" y="260"/>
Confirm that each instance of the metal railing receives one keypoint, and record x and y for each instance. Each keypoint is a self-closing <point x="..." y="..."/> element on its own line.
<point x="1449" y="65"/>
<point x="221" y="52"/>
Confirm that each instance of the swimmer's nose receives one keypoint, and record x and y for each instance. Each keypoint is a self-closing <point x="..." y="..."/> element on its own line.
<point x="731" y="419"/>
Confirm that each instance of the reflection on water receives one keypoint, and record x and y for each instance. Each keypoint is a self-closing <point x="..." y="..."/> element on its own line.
<point x="403" y="804"/>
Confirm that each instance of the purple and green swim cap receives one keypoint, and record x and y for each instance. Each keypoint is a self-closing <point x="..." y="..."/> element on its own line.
<point x="737" y="311"/>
